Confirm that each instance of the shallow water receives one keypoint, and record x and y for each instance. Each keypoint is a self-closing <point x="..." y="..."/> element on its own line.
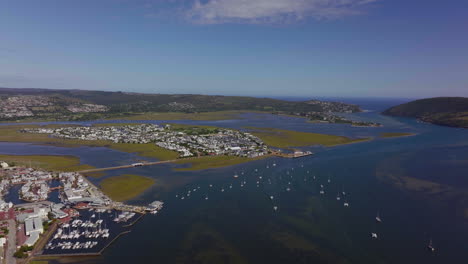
<point x="239" y="224"/>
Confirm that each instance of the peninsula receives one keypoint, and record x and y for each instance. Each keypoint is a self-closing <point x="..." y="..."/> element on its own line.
<point x="445" y="111"/>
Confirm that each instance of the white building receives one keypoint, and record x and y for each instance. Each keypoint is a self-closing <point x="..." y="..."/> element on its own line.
<point x="32" y="239"/>
<point x="4" y="206"/>
<point x="4" y="165"/>
<point x="33" y="225"/>
<point x="39" y="212"/>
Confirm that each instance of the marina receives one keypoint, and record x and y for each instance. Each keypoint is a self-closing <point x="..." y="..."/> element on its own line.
<point x="89" y="233"/>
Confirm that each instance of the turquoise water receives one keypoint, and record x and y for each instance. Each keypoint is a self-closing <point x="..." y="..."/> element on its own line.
<point x="417" y="184"/>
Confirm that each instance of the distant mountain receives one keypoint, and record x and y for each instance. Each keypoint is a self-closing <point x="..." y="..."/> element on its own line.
<point x="33" y="103"/>
<point x="446" y="111"/>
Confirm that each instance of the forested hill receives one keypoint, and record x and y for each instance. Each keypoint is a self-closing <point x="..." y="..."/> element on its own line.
<point x="447" y="111"/>
<point x="39" y="101"/>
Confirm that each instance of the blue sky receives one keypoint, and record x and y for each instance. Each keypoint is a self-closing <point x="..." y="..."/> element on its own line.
<point x="359" y="48"/>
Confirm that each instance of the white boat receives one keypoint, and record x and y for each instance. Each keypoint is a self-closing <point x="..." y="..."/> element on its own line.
<point x="378" y="219"/>
<point x="374" y="235"/>
<point x="430" y="247"/>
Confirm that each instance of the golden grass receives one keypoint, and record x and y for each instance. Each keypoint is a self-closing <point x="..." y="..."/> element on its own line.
<point x="287" y="138"/>
<point x="396" y="134"/>
<point x="146" y="150"/>
<point x="47" y="162"/>
<point x="126" y="187"/>
<point x="116" y="124"/>
<point x="204" y="116"/>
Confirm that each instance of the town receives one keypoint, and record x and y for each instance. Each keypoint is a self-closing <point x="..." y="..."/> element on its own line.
<point x="187" y="141"/>
<point x="23" y="106"/>
<point x="54" y="203"/>
<point x="333" y="118"/>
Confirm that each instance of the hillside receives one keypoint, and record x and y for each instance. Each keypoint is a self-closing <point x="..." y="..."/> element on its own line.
<point x="447" y="111"/>
<point x="82" y="104"/>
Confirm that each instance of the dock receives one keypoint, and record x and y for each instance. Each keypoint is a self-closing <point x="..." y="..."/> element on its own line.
<point x="295" y="154"/>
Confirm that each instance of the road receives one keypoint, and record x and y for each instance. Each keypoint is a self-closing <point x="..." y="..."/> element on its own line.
<point x="132" y="166"/>
<point x="279" y="154"/>
<point x="11" y="240"/>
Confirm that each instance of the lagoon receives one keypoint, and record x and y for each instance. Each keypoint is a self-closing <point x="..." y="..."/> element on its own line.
<point x="239" y="224"/>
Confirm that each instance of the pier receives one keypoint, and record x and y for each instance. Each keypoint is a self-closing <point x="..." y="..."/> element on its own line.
<point x="295" y="154"/>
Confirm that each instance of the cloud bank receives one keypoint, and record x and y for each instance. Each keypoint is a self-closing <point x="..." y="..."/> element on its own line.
<point x="270" y="11"/>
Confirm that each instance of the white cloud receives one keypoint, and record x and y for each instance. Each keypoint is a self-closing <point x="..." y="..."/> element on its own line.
<point x="271" y="11"/>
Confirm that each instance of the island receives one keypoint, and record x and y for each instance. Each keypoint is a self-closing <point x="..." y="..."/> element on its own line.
<point x="445" y="111"/>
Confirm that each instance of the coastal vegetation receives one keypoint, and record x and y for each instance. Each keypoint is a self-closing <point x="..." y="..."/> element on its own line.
<point x="125" y="187"/>
<point x="194" y="129"/>
<point x="46" y="162"/>
<point x="145" y="150"/>
<point x="396" y="134"/>
<point x="13" y="134"/>
<point x="446" y="111"/>
<point x="204" y="116"/>
<point x="280" y="138"/>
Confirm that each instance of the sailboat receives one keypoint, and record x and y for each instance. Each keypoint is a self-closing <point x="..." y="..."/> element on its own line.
<point x="378" y="219"/>
<point x="430" y="247"/>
